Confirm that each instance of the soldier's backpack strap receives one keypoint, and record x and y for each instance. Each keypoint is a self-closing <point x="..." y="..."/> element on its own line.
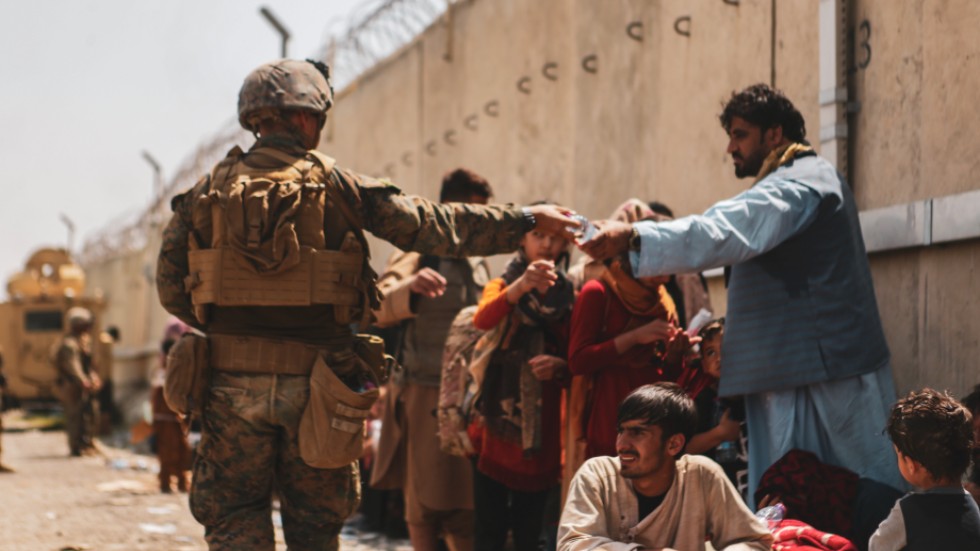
<point x="327" y="163"/>
<point x="221" y="174"/>
<point x="372" y="296"/>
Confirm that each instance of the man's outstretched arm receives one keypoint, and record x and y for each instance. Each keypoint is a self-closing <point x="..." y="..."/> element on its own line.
<point x="729" y="232"/>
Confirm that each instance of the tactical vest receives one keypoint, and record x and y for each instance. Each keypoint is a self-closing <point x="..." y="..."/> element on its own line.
<point x="279" y="236"/>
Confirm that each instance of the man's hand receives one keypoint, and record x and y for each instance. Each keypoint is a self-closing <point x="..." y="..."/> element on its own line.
<point x="546" y="367"/>
<point x="769" y="501"/>
<point x="552" y="219"/>
<point x="612" y="240"/>
<point x="428" y="283"/>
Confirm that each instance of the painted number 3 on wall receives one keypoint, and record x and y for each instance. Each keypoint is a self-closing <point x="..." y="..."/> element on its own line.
<point x="863" y="54"/>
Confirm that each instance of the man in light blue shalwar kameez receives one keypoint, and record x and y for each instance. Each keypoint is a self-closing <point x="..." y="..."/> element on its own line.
<point x="803" y="341"/>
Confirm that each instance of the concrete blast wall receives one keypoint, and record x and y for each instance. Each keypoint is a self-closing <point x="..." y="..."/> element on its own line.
<point x="588" y="103"/>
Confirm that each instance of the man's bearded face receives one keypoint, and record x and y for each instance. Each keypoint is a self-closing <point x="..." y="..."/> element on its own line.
<point x="747" y="148"/>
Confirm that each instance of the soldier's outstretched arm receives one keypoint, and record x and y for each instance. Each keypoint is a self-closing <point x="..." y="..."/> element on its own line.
<point x="172" y="264"/>
<point x="450" y="229"/>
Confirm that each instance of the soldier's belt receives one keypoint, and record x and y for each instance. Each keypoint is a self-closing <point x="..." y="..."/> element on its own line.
<point x="259" y="355"/>
<point x="321" y="277"/>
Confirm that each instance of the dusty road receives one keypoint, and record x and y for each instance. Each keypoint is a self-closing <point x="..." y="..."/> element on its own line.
<point x="56" y="503"/>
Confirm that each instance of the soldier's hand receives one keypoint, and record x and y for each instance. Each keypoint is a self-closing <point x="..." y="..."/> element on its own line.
<point x="96" y="381"/>
<point x="552" y="219"/>
<point x="428" y="283"/>
<point x="612" y="240"/>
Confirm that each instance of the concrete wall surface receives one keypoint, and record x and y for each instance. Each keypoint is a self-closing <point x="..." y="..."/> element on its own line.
<point x="588" y="103"/>
<point x="604" y="116"/>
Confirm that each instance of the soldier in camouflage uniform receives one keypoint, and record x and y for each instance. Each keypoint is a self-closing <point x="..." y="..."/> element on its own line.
<point x="77" y="381"/>
<point x="253" y="309"/>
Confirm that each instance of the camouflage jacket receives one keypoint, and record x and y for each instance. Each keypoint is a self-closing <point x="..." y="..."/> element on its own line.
<point x="409" y="222"/>
<point x="73" y="359"/>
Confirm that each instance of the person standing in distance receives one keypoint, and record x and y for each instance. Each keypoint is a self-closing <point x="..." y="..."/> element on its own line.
<point x="267" y="256"/>
<point x="803" y="341"/>
<point x="78" y="380"/>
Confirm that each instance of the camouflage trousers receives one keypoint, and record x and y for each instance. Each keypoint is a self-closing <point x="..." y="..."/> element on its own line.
<point x="81" y="413"/>
<point x="249" y="448"/>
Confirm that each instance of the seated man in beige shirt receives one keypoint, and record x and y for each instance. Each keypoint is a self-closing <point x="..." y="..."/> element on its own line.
<point x="648" y="497"/>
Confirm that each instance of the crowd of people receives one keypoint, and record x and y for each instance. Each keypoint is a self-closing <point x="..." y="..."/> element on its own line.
<point x="577" y="365"/>
<point x="595" y="396"/>
<point x="554" y="405"/>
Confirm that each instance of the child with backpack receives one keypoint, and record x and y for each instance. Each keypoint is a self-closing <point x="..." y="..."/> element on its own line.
<point x="517" y="434"/>
<point x="933" y="436"/>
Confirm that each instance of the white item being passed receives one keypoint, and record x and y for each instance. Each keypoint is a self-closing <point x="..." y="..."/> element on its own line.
<point x="698" y="321"/>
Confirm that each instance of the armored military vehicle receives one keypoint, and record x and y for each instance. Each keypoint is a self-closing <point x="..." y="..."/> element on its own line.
<point x="34" y="318"/>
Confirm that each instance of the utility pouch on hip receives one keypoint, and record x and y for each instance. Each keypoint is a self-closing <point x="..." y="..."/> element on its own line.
<point x="371" y="350"/>
<point x="188" y="374"/>
<point x="331" y="431"/>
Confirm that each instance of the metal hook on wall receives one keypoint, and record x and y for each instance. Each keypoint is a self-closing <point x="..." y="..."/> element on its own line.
<point x="635" y="31"/>
<point x="550" y="71"/>
<point x="430" y="147"/>
<point x="407" y="158"/>
<point x="470" y="122"/>
<point x="524" y="85"/>
<point x="732" y="2"/>
<point x="682" y="25"/>
<point x="492" y="108"/>
<point x="449" y="137"/>
<point x="590" y="63"/>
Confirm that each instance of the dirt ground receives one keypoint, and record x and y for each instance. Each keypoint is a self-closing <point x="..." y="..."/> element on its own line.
<point x="111" y="502"/>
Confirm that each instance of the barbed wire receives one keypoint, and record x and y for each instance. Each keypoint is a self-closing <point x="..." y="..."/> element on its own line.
<point x="374" y="32"/>
<point x="371" y="33"/>
<point x="128" y="232"/>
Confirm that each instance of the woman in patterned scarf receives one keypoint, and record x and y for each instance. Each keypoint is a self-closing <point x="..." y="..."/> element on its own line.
<point x="517" y="435"/>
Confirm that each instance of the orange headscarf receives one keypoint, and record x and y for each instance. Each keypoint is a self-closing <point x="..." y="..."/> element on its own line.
<point x="649" y="301"/>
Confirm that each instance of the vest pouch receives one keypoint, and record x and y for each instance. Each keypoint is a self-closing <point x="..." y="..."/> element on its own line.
<point x="331" y="431"/>
<point x="371" y="350"/>
<point x="188" y="374"/>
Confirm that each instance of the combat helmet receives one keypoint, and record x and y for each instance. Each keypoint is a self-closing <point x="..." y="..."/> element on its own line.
<point x="78" y="316"/>
<point x="285" y="84"/>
